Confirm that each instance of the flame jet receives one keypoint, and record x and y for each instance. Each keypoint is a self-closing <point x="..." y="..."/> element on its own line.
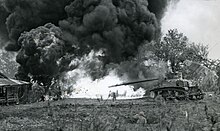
<point x="130" y="83"/>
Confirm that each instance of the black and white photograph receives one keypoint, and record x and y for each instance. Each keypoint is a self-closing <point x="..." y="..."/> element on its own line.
<point x="109" y="65"/>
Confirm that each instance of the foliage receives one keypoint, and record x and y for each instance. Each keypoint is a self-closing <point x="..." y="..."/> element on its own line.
<point x="172" y="48"/>
<point x="210" y="74"/>
<point x="175" y="48"/>
<point x="91" y="115"/>
<point x="200" y="74"/>
<point x="214" y="65"/>
<point x="196" y="52"/>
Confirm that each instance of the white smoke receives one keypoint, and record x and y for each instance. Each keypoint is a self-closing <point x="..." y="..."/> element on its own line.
<point x="81" y="84"/>
<point x="198" y="20"/>
<point x="87" y="88"/>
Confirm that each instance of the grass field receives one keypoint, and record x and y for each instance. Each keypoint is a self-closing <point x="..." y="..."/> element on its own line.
<point x="121" y="115"/>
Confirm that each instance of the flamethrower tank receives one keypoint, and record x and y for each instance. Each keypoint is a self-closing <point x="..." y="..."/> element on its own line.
<point x="179" y="89"/>
<point x="175" y="88"/>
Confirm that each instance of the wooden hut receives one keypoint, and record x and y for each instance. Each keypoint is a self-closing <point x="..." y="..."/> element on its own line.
<point x="11" y="90"/>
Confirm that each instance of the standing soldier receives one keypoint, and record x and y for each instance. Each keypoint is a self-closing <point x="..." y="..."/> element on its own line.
<point x="114" y="96"/>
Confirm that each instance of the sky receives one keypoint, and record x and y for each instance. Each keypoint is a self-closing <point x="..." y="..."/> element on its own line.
<point x="198" y="20"/>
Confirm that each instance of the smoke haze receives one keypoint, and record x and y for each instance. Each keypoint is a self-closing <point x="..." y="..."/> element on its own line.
<point x="198" y="20"/>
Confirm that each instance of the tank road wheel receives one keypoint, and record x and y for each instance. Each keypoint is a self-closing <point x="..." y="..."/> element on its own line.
<point x="194" y="97"/>
<point x="153" y="94"/>
<point x="180" y="95"/>
<point x="199" y="97"/>
<point x="165" y="94"/>
<point x="171" y="95"/>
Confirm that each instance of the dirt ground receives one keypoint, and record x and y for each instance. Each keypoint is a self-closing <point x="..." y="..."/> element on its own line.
<point x="121" y="115"/>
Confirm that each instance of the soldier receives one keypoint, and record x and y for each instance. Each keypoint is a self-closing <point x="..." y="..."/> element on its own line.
<point x="140" y="117"/>
<point x="113" y="96"/>
<point x="101" y="98"/>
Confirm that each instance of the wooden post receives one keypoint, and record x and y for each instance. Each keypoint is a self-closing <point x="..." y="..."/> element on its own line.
<point x="16" y="94"/>
<point x="6" y="95"/>
<point x="2" y="95"/>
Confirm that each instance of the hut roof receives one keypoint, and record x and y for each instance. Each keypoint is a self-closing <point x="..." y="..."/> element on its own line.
<point x="5" y="81"/>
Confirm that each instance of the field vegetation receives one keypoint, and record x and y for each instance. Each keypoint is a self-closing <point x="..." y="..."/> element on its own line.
<point x="121" y="115"/>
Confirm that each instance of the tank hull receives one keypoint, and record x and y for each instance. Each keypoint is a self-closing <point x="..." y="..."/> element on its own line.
<point x="178" y="93"/>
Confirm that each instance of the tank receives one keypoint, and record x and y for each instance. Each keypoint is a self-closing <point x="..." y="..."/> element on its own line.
<point x="177" y="88"/>
<point x="180" y="89"/>
<point x="170" y="89"/>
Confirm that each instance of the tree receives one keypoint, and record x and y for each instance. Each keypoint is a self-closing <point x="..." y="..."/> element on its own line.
<point x="196" y="52"/>
<point x="175" y="48"/>
<point x="215" y="66"/>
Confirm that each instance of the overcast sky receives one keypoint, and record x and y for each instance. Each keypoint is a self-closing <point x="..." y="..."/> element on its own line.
<point x="199" y="20"/>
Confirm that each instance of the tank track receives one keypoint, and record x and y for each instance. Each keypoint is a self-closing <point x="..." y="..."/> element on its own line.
<point x="178" y="93"/>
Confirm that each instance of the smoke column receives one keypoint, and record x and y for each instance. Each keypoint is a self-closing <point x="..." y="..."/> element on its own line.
<point x="118" y="27"/>
<point x="27" y="14"/>
<point x="3" y="30"/>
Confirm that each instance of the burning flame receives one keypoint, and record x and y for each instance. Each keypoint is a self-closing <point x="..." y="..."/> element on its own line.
<point x="82" y="85"/>
<point x="86" y="88"/>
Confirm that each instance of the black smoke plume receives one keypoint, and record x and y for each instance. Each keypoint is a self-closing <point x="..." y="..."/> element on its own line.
<point x="41" y="49"/>
<point x="3" y="30"/>
<point x="117" y="27"/>
<point x="28" y="14"/>
<point x="158" y="7"/>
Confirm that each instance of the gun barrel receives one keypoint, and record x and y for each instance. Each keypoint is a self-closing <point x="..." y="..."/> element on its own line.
<point x="129" y="83"/>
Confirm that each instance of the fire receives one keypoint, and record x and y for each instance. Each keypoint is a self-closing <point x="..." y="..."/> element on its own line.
<point x="82" y="85"/>
<point x="86" y="88"/>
